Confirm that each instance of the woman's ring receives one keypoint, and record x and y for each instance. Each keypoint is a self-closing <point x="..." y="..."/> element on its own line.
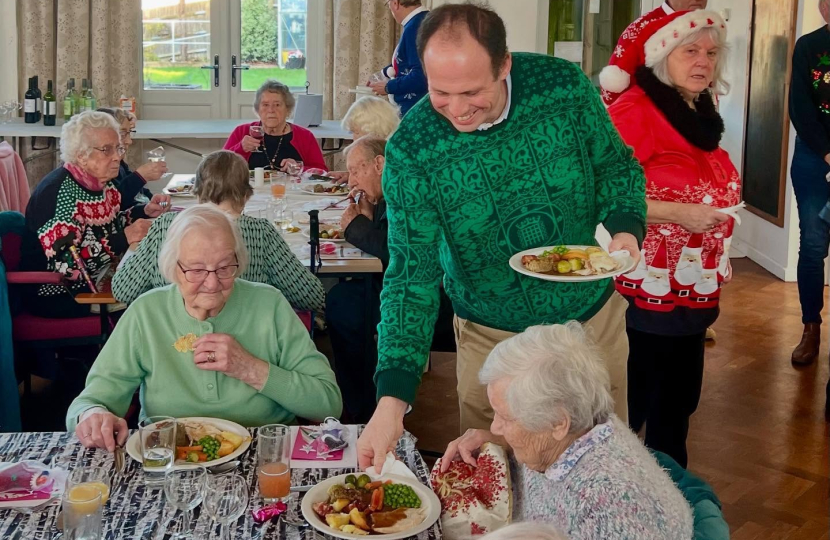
<point x="211" y="356"/>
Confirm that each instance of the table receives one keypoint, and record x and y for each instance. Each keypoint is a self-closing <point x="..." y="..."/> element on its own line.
<point x="138" y="512"/>
<point x="161" y="130"/>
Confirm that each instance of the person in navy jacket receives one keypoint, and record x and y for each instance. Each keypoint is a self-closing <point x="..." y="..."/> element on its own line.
<point x="406" y="82"/>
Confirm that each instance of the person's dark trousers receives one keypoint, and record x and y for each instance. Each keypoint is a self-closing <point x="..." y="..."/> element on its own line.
<point x="812" y="192"/>
<point x="354" y="359"/>
<point x="665" y="376"/>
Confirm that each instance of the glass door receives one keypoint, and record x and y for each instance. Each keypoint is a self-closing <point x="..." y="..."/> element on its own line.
<point x="273" y="39"/>
<point x="185" y="59"/>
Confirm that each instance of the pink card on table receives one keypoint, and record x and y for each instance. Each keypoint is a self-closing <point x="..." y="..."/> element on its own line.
<point x="342" y="459"/>
<point x="309" y="449"/>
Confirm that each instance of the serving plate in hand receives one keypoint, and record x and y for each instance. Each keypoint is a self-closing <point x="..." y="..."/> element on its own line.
<point x="134" y="449"/>
<point x="320" y="492"/>
<point x="624" y="259"/>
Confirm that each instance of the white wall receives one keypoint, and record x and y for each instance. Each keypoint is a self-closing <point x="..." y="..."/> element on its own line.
<point x="526" y="22"/>
<point x="775" y="248"/>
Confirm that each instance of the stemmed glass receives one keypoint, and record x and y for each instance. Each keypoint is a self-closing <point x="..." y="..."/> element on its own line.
<point x="7" y="110"/>
<point x="257" y="133"/>
<point x="157" y="155"/>
<point x="184" y="490"/>
<point x="226" y="498"/>
<point x="294" y="169"/>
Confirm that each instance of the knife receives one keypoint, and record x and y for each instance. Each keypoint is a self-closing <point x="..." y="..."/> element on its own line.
<point x="300" y="489"/>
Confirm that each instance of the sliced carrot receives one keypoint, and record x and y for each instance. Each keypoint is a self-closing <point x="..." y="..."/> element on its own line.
<point x="189" y="448"/>
<point x="373" y="485"/>
<point x="377" y="499"/>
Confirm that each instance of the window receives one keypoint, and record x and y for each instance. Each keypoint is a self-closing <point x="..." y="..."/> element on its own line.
<point x="176" y="44"/>
<point x="273" y="36"/>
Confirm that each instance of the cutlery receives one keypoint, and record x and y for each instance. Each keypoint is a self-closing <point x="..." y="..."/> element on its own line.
<point x="224" y="467"/>
<point x="335" y="204"/>
<point x="294" y="521"/>
<point x="300" y="489"/>
<point x="119" y="459"/>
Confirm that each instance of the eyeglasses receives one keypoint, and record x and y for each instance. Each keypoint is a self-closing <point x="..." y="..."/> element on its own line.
<point x="127" y="133"/>
<point x="109" y="151"/>
<point x="200" y="274"/>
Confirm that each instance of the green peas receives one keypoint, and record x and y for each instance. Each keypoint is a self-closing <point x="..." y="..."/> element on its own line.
<point x="400" y="496"/>
<point x="210" y="446"/>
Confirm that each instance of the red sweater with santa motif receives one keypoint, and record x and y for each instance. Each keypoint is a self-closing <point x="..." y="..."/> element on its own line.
<point x="676" y="288"/>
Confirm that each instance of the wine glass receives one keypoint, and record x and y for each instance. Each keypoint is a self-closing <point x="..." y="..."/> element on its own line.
<point x="226" y="498"/>
<point x="157" y="155"/>
<point x="294" y="169"/>
<point x="184" y="490"/>
<point x="257" y="133"/>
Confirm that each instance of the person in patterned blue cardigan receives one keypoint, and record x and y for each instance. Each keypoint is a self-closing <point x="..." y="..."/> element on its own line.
<point x="406" y="82"/>
<point x="222" y="179"/>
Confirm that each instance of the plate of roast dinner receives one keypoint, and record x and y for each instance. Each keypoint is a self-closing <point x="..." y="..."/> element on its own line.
<point x="352" y="505"/>
<point x="572" y="263"/>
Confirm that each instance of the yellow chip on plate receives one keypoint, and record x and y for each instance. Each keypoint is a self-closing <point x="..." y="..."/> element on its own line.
<point x="185" y="343"/>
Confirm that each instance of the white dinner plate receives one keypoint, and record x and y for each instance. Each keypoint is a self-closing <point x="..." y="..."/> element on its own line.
<point x="338" y="240"/>
<point x="623" y="258"/>
<point x="134" y="450"/>
<point x="429" y="501"/>
<point x="308" y="189"/>
<point x="178" y="193"/>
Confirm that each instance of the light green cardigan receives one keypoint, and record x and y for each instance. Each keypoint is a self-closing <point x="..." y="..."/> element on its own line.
<point x="140" y="353"/>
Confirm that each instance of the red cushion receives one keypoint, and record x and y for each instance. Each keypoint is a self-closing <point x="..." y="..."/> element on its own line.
<point x="305" y="316"/>
<point x="26" y="327"/>
<point x="34" y="277"/>
<point x="11" y="251"/>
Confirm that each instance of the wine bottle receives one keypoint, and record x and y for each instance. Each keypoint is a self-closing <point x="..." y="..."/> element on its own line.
<point x="83" y="96"/>
<point x="38" y="97"/>
<point x="76" y="99"/>
<point x="50" y="107"/>
<point x="30" y="103"/>
<point x="67" y="102"/>
<point x="90" y="103"/>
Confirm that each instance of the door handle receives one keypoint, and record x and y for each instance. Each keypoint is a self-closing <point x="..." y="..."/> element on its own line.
<point x="235" y="68"/>
<point x="215" y="68"/>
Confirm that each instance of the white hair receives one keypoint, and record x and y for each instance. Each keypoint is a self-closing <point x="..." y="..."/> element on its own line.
<point x="526" y="531"/>
<point x="75" y="133"/>
<point x="552" y="372"/>
<point x="719" y="83"/>
<point x="204" y="218"/>
<point x="371" y="115"/>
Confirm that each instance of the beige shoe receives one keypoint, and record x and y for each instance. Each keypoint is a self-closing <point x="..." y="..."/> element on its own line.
<point x="710" y="335"/>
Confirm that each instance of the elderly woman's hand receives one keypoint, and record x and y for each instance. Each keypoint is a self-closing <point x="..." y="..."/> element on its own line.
<point x="137" y="230"/>
<point x="98" y="430"/>
<point x="158" y="205"/>
<point x="699" y="218"/>
<point x="152" y="171"/>
<point x="221" y="352"/>
<point x="249" y="144"/>
<point x="467" y="446"/>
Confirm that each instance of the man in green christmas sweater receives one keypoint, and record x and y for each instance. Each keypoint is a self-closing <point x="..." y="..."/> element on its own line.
<point x="510" y="152"/>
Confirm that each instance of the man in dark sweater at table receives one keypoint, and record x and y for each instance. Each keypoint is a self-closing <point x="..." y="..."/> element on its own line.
<point x="364" y="226"/>
<point x="407" y="82"/>
<point x="510" y="152"/>
<point x="810" y="114"/>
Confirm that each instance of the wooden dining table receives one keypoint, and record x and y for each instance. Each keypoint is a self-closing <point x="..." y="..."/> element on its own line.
<point x="137" y="511"/>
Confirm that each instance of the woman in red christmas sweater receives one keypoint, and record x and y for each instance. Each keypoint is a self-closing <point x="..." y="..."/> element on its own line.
<point x="670" y="120"/>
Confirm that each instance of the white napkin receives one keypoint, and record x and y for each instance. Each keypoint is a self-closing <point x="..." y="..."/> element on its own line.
<point x="732" y="211"/>
<point x="391" y="466"/>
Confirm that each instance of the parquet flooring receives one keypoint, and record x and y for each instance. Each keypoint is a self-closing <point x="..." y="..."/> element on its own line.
<point x="759" y="436"/>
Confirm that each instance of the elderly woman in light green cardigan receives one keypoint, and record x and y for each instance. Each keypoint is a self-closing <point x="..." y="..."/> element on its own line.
<point x="209" y="345"/>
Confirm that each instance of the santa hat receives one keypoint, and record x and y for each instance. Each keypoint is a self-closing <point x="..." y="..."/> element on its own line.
<point x="661" y="258"/>
<point x="695" y="241"/>
<point x="653" y="42"/>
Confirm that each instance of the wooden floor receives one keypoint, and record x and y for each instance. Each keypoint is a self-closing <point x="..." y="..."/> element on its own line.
<point x="759" y="436"/>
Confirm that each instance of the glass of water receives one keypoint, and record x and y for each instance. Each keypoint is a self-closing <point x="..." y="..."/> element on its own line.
<point x="184" y="490"/>
<point x="226" y="498"/>
<point x="157" y="155"/>
<point x="295" y="171"/>
<point x="157" y="437"/>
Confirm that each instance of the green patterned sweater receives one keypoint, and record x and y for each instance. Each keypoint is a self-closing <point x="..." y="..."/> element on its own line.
<point x="461" y="204"/>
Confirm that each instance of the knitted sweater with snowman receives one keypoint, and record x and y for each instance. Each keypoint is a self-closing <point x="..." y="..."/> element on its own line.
<point x="676" y="288"/>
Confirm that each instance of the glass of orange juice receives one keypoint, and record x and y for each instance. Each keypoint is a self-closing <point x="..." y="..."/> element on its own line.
<point x="278" y="182"/>
<point x="273" y="462"/>
<point x="87" y="490"/>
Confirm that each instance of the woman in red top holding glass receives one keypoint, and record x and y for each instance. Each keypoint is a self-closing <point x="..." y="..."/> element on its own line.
<point x="272" y="142"/>
<point x="670" y="119"/>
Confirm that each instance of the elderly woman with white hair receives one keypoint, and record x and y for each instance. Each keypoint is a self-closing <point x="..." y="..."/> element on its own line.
<point x="578" y="466"/>
<point x="670" y="120"/>
<point x="282" y="142"/>
<point x="368" y="116"/>
<point x="77" y="206"/>
<point x="208" y="344"/>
